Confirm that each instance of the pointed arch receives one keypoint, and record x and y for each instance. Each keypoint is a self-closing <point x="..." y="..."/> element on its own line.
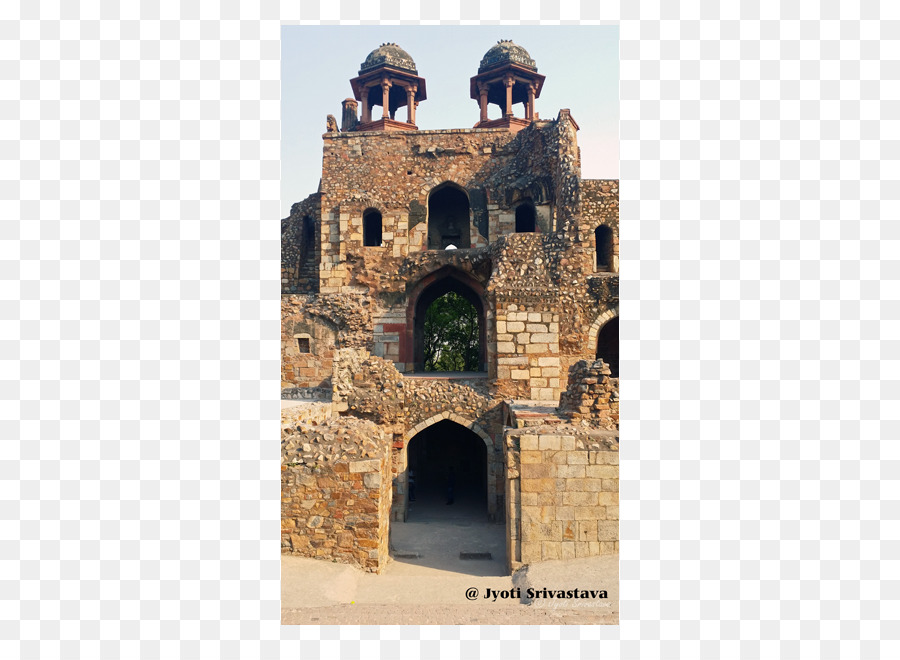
<point x="430" y="288"/>
<point x="449" y="216"/>
<point x="453" y="417"/>
<point x="603" y="339"/>
<point x="598" y="323"/>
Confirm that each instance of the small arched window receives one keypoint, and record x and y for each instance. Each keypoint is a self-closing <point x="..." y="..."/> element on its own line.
<point x="603" y="238"/>
<point x="372" y="228"/>
<point x="525" y="218"/>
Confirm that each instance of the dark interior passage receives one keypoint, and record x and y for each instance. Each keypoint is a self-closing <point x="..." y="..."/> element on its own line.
<point x="449" y="464"/>
<point x="608" y="345"/>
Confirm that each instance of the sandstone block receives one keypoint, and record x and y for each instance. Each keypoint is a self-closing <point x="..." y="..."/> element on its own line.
<point x="530" y="457"/>
<point x="567" y="550"/>
<point x="587" y="513"/>
<point x="529" y="442"/>
<point x="608" y="499"/>
<point x="537" y="485"/>
<point x="570" y="471"/>
<point x="608" y="531"/>
<point x="577" y="458"/>
<point x="531" y="551"/>
<point x="364" y="466"/>
<point x="550" y="442"/>
<point x="536" y="471"/>
<point x="587" y="530"/>
<point x="550" y="550"/>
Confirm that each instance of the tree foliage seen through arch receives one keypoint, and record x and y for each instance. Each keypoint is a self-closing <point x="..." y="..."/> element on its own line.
<point x="451" y="335"/>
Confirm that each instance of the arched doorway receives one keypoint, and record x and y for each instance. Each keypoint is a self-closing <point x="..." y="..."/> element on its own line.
<point x="448" y="218"/>
<point x="525" y="218"/>
<point x="425" y="294"/>
<point x="447" y="463"/>
<point x="608" y="345"/>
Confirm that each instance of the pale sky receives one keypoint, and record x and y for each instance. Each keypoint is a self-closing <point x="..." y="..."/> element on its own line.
<point x="581" y="65"/>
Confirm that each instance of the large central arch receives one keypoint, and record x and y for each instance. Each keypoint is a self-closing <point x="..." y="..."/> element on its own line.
<point x="429" y="289"/>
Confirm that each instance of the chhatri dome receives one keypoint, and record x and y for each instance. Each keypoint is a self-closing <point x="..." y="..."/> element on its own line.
<point x="506" y="51"/>
<point x="389" y="54"/>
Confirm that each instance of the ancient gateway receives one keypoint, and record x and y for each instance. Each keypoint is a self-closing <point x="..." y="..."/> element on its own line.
<point x="498" y="215"/>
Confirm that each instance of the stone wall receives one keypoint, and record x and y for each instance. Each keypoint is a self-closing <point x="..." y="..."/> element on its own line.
<point x="562" y="495"/>
<point x="335" y="491"/>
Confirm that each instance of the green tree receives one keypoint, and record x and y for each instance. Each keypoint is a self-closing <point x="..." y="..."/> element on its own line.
<point x="451" y="335"/>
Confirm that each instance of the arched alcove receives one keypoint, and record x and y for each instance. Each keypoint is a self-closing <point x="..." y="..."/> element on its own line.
<point x="448" y="217"/>
<point x="608" y="345"/>
<point x="372" y="228"/>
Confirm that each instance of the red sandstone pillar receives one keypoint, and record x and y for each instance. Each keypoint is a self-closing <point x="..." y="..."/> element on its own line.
<point x="386" y="101"/>
<point x="483" y="102"/>
<point x="529" y="108"/>
<point x="509" y="87"/>
<point x="411" y="105"/>
<point x="366" y="110"/>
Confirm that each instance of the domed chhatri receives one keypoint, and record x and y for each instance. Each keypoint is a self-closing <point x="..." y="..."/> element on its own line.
<point x="504" y="52"/>
<point x="507" y="75"/>
<point x="389" y="54"/>
<point x="388" y="78"/>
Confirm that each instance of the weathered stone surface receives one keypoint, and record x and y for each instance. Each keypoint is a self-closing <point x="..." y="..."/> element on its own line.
<point x="357" y="263"/>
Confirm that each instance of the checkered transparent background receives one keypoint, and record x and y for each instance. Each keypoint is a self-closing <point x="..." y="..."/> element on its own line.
<point x="139" y="187"/>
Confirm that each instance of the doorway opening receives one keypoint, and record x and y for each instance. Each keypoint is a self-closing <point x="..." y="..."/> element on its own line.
<point x="608" y="345"/>
<point x="448" y="466"/>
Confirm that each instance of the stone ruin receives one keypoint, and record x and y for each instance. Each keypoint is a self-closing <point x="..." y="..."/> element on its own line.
<point x="500" y="215"/>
